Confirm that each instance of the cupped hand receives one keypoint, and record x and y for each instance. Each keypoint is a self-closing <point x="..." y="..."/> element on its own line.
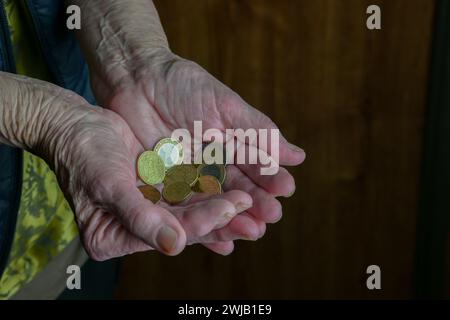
<point x="94" y="158"/>
<point x="164" y="92"/>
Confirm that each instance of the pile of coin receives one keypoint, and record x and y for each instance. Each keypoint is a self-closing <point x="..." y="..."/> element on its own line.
<point x="163" y="165"/>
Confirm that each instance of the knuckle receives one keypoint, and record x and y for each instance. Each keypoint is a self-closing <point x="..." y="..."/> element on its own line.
<point x="223" y="207"/>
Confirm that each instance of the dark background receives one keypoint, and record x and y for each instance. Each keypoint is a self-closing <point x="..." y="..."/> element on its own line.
<point x="355" y="100"/>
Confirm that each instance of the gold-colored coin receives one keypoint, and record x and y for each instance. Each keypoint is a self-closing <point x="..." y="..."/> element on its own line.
<point x="208" y="184"/>
<point x="186" y="172"/>
<point x="176" y="192"/>
<point x="150" y="193"/>
<point x="215" y="170"/>
<point x="150" y="167"/>
<point x="170" y="151"/>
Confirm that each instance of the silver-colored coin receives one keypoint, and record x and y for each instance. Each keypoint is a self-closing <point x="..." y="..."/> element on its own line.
<point x="170" y="151"/>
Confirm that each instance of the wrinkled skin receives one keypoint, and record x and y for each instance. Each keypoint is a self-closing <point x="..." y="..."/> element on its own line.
<point x="93" y="153"/>
<point x="95" y="165"/>
<point x="164" y="92"/>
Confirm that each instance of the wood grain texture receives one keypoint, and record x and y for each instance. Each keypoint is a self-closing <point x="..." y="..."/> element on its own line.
<point x="447" y="267"/>
<point x="354" y="99"/>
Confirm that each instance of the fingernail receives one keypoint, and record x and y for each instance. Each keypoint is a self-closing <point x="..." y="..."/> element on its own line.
<point x="295" y="148"/>
<point x="166" y="238"/>
<point x="291" y="193"/>
<point x="228" y="215"/>
<point x="241" y="206"/>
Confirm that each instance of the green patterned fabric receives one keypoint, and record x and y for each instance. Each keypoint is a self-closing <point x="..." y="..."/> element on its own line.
<point x="45" y="224"/>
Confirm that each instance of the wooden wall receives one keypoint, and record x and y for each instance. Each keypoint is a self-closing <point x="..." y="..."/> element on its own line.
<point x="355" y="100"/>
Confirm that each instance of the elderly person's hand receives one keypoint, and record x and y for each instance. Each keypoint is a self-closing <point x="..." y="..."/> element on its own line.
<point x="134" y="73"/>
<point x="172" y="93"/>
<point x="93" y="153"/>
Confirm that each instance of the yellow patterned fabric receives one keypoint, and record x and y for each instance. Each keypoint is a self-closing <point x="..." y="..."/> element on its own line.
<point x="45" y="223"/>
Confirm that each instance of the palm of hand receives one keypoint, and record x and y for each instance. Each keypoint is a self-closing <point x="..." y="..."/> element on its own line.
<point x="96" y="170"/>
<point x="181" y="93"/>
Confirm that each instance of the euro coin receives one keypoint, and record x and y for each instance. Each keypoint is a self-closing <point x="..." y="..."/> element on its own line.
<point x="215" y="170"/>
<point x="150" y="193"/>
<point x="150" y="168"/>
<point x="176" y="192"/>
<point x="170" y="151"/>
<point x="209" y="185"/>
<point x="185" y="172"/>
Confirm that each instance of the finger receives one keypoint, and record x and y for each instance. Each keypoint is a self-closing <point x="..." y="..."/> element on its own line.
<point x="261" y="167"/>
<point x="239" y="230"/>
<point x="242" y="227"/>
<point x="276" y="180"/>
<point x="154" y="225"/>
<point x="200" y="218"/>
<point x="244" y="116"/>
<point x="223" y="248"/>
<point x="280" y="184"/>
<point x="265" y="206"/>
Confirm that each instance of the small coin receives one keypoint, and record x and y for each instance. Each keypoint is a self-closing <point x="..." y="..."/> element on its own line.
<point x="215" y="170"/>
<point x="150" y="167"/>
<point x="170" y="151"/>
<point x="184" y="172"/>
<point x="150" y="193"/>
<point x="208" y="184"/>
<point x="176" y="192"/>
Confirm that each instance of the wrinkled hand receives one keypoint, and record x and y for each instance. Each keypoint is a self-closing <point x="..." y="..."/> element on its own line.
<point x="165" y="92"/>
<point x="94" y="160"/>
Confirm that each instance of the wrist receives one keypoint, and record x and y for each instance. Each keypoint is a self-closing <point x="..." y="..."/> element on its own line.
<point x="64" y="118"/>
<point x="36" y="115"/>
<point x="119" y="38"/>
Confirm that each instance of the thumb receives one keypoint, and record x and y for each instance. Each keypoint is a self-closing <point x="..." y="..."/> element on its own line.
<point x="154" y="225"/>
